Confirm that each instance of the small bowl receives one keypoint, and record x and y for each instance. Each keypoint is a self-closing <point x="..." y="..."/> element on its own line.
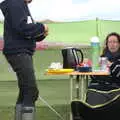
<point x="83" y="69"/>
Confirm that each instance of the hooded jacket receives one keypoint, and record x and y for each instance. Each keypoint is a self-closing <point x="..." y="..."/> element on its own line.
<point x="19" y="34"/>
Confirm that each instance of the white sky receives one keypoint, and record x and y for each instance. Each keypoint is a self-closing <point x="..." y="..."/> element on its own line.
<point x="63" y="10"/>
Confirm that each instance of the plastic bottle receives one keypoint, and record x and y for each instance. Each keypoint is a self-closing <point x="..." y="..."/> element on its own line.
<point x="95" y="44"/>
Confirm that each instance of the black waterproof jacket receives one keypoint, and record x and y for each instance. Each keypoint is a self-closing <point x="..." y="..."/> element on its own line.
<point x="19" y="34"/>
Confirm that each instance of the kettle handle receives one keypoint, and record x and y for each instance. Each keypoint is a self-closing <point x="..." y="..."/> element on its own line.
<point x="79" y="50"/>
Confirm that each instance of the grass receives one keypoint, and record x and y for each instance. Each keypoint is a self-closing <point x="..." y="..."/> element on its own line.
<point x="43" y="113"/>
<point x="53" y="89"/>
<point x="55" y="92"/>
<point x="49" y="90"/>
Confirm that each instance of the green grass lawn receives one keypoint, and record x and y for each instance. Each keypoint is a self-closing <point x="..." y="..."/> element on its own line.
<point x="54" y="92"/>
<point x="53" y="89"/>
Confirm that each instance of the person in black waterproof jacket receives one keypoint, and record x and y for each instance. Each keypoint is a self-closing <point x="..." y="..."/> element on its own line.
<point x="104" y="88"/>
<point x="20" y="37"/>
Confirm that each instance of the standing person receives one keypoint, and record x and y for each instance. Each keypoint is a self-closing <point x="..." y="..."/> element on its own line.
<point x="104" y="88"/>
<point x="20" y="38"/>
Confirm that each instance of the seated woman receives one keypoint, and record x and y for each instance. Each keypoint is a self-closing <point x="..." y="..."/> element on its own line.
<point x="105" y="88"/>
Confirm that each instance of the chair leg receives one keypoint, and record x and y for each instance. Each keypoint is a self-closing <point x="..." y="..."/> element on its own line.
<point x="75" y="111"/>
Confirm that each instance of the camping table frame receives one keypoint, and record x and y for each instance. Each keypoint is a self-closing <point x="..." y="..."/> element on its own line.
<point x="81" y="83"/>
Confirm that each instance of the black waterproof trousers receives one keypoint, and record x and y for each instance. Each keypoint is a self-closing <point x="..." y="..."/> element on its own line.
<point x="22" y="64"/>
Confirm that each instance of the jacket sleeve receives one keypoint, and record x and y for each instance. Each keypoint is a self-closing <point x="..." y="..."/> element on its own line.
<point x="115" y="69"/>
<point x="17" y="15"/>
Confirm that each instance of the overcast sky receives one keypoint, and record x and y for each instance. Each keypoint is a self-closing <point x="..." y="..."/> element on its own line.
<point x="69" y="10"/>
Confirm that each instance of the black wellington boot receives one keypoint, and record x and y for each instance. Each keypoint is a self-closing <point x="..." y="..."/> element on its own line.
<point x="18" y="112"/>
<point x="28" y="113"/>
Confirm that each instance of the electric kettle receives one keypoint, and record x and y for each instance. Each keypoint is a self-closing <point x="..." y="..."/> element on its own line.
<point x="71" y="58"/>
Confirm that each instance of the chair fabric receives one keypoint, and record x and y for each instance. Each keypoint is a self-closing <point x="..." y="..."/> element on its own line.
<point x="84" y="111"/>
<point x="96" y="97"/>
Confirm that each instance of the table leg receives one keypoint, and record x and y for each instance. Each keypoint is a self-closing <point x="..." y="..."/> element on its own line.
<point x="77" y="87"/>
<point x="71" y="87"/>
<point x="83" y="86"/>
<point x="71" y="93"/>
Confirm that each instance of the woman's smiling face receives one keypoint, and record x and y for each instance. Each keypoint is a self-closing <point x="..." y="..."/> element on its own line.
<point x="113" y="44"/>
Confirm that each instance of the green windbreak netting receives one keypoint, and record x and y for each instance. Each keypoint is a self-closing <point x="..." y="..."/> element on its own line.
<point x="82" y="31"/>
<point x="79" y="32"/>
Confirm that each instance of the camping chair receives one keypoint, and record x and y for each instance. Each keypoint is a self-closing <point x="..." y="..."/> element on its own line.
<point x="84" y="111"/>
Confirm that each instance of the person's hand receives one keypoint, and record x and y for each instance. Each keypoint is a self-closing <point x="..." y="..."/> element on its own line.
<point x="109" y="63"/>
<point x="46" y="30"/>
